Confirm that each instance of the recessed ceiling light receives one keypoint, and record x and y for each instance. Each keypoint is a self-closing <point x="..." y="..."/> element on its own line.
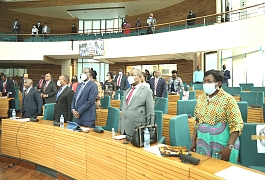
<point x="143" y="58"/>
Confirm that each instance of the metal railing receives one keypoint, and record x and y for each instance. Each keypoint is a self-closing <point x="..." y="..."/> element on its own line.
<point x="229" y="16"/>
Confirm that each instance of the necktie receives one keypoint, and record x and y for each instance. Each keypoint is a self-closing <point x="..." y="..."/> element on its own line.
<point x="79" y="92"/>
<point x="156" y="81"/>
<point x="130" y="95"/>
<point x="45" y="87"/>
<point x="40" y="83"/>
<point x="59" y="92"/>
<point x="119" y="81"/>
<point x="26" y="92"/>
<point x="4" y="89"/>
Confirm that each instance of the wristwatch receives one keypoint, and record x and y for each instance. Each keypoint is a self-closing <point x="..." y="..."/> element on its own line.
<point x="230" y="146"/>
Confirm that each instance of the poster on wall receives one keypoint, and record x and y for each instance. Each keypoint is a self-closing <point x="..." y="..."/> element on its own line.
<point x="91" y="48"/>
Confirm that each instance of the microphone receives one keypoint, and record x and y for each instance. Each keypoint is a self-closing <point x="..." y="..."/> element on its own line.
<point x="98" y="130"/>
<point x="256" y="105"/>
<point x="185" y="109"/>
<point x="34" y="119"/>
<point x="188" y="159"/>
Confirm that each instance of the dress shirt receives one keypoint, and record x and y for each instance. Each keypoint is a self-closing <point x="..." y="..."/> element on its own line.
<point x="135" y="90"/>
<point x="27" y="90"/>
<point x="155" y="85"/>
<point x="61" y="91"/>
<point x="198" y="76"/>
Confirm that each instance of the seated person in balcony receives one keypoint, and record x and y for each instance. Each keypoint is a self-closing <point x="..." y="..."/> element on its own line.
<point x="109" y="86"/>
<point x="218" y="121"/>
<point x="175" y="84"/>
<point x="190" y="16"/>
<point x="150" y="22"/>
<point x="34" y="31"/>
<point x="46" y="29"/>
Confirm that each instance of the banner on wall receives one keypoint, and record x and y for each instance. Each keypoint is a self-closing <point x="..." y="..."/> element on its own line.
<point x="91" y="48"/>
<point x="260" y="130"/>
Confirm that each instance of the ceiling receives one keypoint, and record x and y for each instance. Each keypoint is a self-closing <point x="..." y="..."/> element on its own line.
<point x="101" y="10"/>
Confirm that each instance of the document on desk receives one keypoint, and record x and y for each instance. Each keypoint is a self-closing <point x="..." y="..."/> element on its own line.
<point x="119" y="137"/>
<point x="235" y="172"/>
<point x="154" y="149"/>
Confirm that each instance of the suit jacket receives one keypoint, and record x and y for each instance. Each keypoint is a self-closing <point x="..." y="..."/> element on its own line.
<point x="227" y="76"/>
<point x="133" y="114"/>
<point x="9" y="87"/>
<point x="51" y="90"/>
<point x="63" y="105"/>
<point x="161" y="87"/>
<point x="21" y="85"/>
<point x="85" y="104"/>
<point x="40" y="29"/>
<point x="18" y="26"/>
<point x="31" y="103"/>
<point x="123" y="83"/>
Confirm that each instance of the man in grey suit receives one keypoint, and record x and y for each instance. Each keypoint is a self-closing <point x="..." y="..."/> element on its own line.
<point x="31" y="100"/>
<point x="137" y="103"/>
<point x="15" y="27"/>
<point x="121" y="81"/>
<point x="48" y="90"/>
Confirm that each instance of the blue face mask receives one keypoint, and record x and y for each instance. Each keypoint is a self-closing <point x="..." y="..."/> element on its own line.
<point x="209" y="89"/>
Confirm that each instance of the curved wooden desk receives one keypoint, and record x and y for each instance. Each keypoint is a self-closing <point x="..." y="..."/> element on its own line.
<point x="96" y="156"/>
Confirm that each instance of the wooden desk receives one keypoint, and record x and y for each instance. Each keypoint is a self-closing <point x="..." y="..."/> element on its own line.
<point x="102" y="115"/>
<point x="115" y="103"/>
<point x="173" y="98"/>
<point x="255" y="115"/>
<point x="4" y="106"/>
<point x="172" y="107"/>
<point x="95" y="156"/>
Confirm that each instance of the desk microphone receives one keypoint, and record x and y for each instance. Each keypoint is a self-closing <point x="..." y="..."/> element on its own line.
<point x="98" y="130"/>
<point x="34" y="119"/>
<point x="189" y="159"/>
<point x="256" y="105"/>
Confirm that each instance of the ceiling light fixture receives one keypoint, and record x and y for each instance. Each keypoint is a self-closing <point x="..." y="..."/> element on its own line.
<point x="143" y="58"/>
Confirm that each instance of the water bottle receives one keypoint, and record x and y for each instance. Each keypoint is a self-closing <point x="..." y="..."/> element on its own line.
<point x="119" y="96"/>
<point x="112" y="132"/>
<point x="61" y="121"/>
<point x="14" y="114"/>
<point x="188" y="88"/>
<point x="146" y="138"/>
<point x="193" y="88"/>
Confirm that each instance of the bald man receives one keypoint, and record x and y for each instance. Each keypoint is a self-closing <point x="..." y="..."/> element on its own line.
<point x="31" y="100"/>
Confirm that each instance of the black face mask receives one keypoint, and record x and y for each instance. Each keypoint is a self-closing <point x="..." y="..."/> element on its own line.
<point x="42" y="77"/>
<point x="73" y="80"/>
<point x="174" y="77"/>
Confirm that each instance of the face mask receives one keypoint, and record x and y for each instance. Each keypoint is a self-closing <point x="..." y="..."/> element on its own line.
<point x="83" y="77"/>
<point x="131" y="79"/>
<point x="73" y="80"/>
<point x="107" y="77"/>
<point x="34" y="26"/>
<point x="73" y="25"/>
<point x="120" y="73"/>
<point x="209" y="88"/>
<point x="174" y="77"/>
<point x="58" y="83"/>
<point x="38" y="23"/>
<point x="42" y="77"/>
<point x="45" y="26"/>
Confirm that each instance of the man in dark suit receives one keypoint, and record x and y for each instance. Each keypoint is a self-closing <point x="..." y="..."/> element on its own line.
<point x="226" y="75"/>
<point x="15" y="27"/>
<point x="158" y="85"/>
<point x="121" y="81"/>
<point x="39" y="27"/>
<point x="21" y="84"/>
<point x="31" y="100"/>
<point x="64" y="99"/>
<point x="7" y="89"/>
<point x="48" y="90"/>
<point x="83" y="104"/>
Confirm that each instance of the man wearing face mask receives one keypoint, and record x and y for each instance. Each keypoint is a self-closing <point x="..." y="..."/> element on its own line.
<point x="46" y="29"/>
<point x="175" y="84"/>
<point x="74" y="83"/>
<point x="63" y="100"/>
<point x="137" y="103"/>
<point x="150" y="22"/>
<point x="121" y="81"/>
<point x="190" y="16"/>
<point x="39" y="26"/>
<point x="34" y="31"/>
<point x="83" y="103"/>
<point x="218" y="121"/>
<point x="158" y="85"/>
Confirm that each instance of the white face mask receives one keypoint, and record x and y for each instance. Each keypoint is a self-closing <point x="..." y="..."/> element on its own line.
<point x="83" y="77"/>
<point x="209" y="89"/>
<point x="34" y="26"/>
<point x="120" y="73"/>
<point x="38" y="23"/>
<point x="45" y="26"/>
<point x="131" y="79"/>
<point x="58" y="83"/>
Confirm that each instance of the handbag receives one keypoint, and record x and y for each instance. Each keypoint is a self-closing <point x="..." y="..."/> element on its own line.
<point x="137" y="138"/>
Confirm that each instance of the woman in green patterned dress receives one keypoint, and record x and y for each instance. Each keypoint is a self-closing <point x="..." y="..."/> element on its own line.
<point x="218" y="121"/>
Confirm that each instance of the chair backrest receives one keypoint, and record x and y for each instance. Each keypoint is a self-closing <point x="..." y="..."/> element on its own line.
<point x="105" y="102"/>
<point x="161" y="104"/>
<point x="249" y="155"/>
<point x="121" y="102"/>
<point x="113" y="119"/>
<point x="166" y="96"/>
<point x="246" y="86"/>
<point x="186" y="107"/>
<point x="264" y="112"/>
<point x="243" y="107"/>
<point x="233" y="90"/>
<point x="48" y="111"/>
<point x="159" y="122"/>
<point x="192" y="95"/>
<point x="118" y="93"/>
<point x="179" y="131"/>
<point x="253" y="97"/>
<point x="255" y="89"/>
<point x="224" y="86"/>
<point x="197" y="86"/>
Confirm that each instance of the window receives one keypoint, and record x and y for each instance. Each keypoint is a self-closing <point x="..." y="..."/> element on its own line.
<point x="13" y="71"/>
